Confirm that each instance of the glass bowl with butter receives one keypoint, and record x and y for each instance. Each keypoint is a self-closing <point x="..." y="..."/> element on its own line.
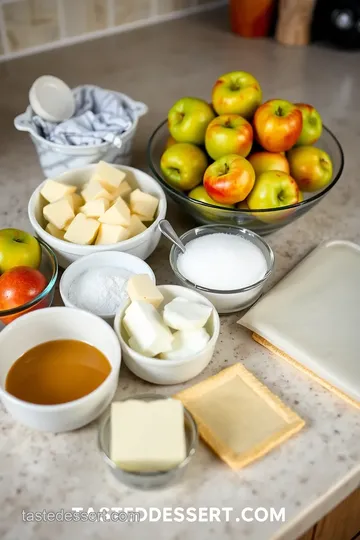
<point x="151" y="478"/>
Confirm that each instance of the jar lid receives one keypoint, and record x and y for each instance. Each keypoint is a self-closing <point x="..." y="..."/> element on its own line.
<point x="52" y="99"/>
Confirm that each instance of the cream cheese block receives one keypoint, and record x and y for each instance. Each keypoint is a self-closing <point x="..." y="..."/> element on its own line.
<point x="182" y="314"/>
<point x="147" y="436"/>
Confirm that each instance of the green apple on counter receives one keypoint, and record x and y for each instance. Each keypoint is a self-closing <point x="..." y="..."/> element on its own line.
<point x="311" y="167"/>
<point x="312" y="125"/>
<point x="183" y="166"/>
<point x="188" y="119"/>
<point x="18" y="248"/>
<point x="200" y="194"/>
<point x="229" y="179"/>
<point x="237" y="92"/>
<point x="228" y="134"/>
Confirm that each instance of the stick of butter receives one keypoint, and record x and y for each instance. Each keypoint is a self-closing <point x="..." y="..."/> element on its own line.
<point x="147" y="436"/>
<point x="140" y="287"/>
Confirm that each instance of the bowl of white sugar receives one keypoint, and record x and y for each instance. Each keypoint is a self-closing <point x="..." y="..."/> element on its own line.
<point x="97" y="282"/>
<point x="229" y="265"/>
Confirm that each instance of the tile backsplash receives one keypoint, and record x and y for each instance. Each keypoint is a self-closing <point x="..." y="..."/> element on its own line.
<point x="32" y="25"/>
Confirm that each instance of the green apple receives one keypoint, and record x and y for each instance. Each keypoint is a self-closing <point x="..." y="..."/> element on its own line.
<point x="188" y="119"/>
<point x="237" y="92"/>
<point x="18" y="248"/>
<point x="200" y="194"/>
<point x="273" y="189"/>
<point x="183" y="166"/>
<point x="228" y="134"/>
<point x="311" y="167"/>
<point x="312" y="125"/>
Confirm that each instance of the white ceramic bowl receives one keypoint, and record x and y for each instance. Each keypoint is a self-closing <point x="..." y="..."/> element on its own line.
<point x="232" y="300"/>
<point x="99" y="260"/>
<point x="141" y="245"/>
<point x="50" y="324"/>
<point x="169" y="371"/>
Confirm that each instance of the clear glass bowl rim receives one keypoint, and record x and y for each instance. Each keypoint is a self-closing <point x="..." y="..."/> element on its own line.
<point x="243" y="230"/>
<point x="45" y="292"/>
<point x="302" y="204"/>
<point x="148" y="397"/>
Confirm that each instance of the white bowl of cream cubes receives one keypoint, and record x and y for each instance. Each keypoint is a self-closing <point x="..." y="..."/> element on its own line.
<point x="167" y="333"/>
<point x="96" y="208"/>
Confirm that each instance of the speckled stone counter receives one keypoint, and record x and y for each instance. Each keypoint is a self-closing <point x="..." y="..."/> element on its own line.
<point x="309" y="474"/>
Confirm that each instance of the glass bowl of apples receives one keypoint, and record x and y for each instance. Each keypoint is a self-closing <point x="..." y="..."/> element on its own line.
<point x="204" y="210"/>
<point x="28" y="273"/>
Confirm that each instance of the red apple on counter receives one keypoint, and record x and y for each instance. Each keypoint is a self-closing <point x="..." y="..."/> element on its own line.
<point x="18" y="248"/>
<point x="229" y="179"/>
<point x="188" y="119"/>
<point x="183" y="165"/>
<point x="237" y="92"/>
<point x="228" y="134"/>
<point x="19" y="286"/>
<point x="277" y="124"/>
<point x="312" y="125"/>
<point x="269" y="161"/>
<point x="311" y="167"/>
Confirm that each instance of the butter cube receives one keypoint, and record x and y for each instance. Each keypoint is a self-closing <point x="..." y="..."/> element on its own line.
<point x="109" y="177"/>
<point x="82" y="230"/>
<point x="54" y="231"/>
<point x="118" y="214"/>
<point x="111" y="234"/>
<point x="96" y="208"/>
<point x="53" y="191"/>
<point x="147" y="436"/>
<point x="143" y="219"/>
<point x="136" y="226"/>
<point x="141" y="287"/>
<point x="78" y="201"/>
<point x="143" y="204"/>
<point x="145" y="324"/>
<point x="59" y="213"/>
<point x="94" y="190"/>
<point x="123" y="190"/>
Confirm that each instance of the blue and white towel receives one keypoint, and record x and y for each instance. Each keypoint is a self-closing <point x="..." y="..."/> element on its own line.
<point x="100" y="116"/>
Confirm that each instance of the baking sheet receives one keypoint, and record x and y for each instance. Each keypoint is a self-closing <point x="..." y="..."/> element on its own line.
<point x="313" y="315"/>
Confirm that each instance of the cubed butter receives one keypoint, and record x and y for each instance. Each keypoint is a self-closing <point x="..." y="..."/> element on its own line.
<point x="123" y="190"/>
<point x="118" y="214"/>
<point x="53" y="191"/>
<point x="144" y="323"/>
<point x="143" y="204"/>
<point x="78" y="201"/>
<point x="59" y="213"/>
<point x="54" y="231"/>
<point x="111" y="234"/>
<point x="143" y="219"/>
<point x="96" y="208"/>
<point x="147" y="436"/>
<point x="108" y="176"/>
<point x="136" y="226"/>
<point x="82" y="230"/>
<point x="94" y="190"/>
<point x="182" y="314"/>
<point x="141" y="287"/>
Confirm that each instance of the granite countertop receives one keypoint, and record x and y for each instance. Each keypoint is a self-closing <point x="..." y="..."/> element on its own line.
<point x="310" y="473"/>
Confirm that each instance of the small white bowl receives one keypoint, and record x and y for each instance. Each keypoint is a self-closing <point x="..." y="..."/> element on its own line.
<point x="100" y="260"/>
<point x="232" y="300"/>
<point x="47" y="325"/>
<point x="141" y="245"/>
<point x="169" y="371"/>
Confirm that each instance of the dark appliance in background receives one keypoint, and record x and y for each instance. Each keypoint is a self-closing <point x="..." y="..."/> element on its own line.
<point x="338" y="22"/>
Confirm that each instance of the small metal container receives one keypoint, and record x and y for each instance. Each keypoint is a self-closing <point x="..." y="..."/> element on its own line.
<point x="148" y="480"/>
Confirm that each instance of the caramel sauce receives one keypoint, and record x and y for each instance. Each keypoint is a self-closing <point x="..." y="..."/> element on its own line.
<point x="57" y="372"/>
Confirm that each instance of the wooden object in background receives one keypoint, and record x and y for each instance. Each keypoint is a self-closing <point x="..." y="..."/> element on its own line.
<point x="294" y="21"/>
<point x="251" y="18"/>
<point x="342" y="523"/>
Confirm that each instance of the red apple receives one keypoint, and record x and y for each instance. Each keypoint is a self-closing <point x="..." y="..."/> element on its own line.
<point x="311" y="167"/>
<point x="229" y="179"/>
<point x="278" y="124"/>
<point x="312" y="125"/>
<point x="236" y="92"/>
<point x="19" y="286"/>
<point x="269" y="161"/>
<point x="228" y="134"/>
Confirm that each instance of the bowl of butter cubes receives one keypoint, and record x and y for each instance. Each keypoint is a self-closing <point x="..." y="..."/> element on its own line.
<point x="167" y="333"/>
<point x="96" y="208"/>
